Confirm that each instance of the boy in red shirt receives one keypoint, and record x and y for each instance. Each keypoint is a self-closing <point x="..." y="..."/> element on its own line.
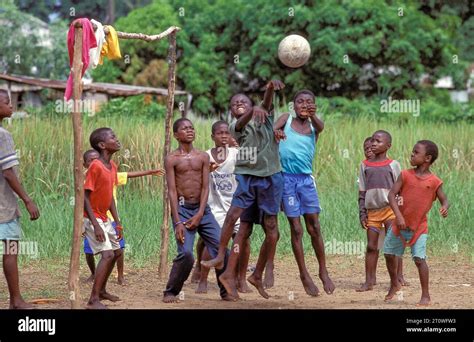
<point x="101" y="178"/>
<point x="417" y="189"/>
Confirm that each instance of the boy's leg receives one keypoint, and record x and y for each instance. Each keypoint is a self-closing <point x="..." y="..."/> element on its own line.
<point x="103" y="267"/>
<point x="271" y="237"/>
<point x="204" y="271"/>
<point x="401" y="278"/>
<point x="371" y="257"/>
<point x="10" y="268"/>
<point x="182" y="265"/>
<point x="210" y="231"/>
<point x="418" y="251"/>
<point x="393" y="249"/>
<point x="103" y="292"/>
<point x="227" y="229"/>
<point x="196" y="276"/>
<point x="90" y="260"/>
<point x="244" y="261"/>
<point x="314" y="229"/>
<point x="269" y="277"/>
<point x="120" y="268"/>
<point x="297" y="246"/>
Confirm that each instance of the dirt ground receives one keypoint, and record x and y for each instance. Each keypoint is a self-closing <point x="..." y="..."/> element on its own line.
<point x="451" y="287"/>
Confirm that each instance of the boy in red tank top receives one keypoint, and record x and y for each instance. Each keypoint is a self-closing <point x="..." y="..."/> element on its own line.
<point x="417" y="189"/>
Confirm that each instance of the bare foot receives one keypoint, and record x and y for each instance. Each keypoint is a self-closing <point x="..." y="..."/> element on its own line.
<point x="202" y="287"/>
<point x="90" y="279"/>
<point x="121" y="281"/>
<point x="229" y="284"/>
<point x="328" y="285"/>
<point x="20" y="305"/>
<point x="108" y="296"/>
<point x="402" y="281"/>
<point x="229" y="298"/>
<point x="96" y="305"/>
<point x="365" y="287"/>
<point x="424" y="301"/>
<point x="217" y="262"/>
<point x="268" y="279"/>
<point x="196" y="274"/>
<point x="242" y="286"/>
<point x="309" y="286"/>
<point x="392" y="292"/>
<point x="257" y="282"/>
<point x="169" y="298"/>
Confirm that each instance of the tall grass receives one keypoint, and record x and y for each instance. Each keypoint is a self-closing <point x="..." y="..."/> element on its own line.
<point x="46" y="153"/>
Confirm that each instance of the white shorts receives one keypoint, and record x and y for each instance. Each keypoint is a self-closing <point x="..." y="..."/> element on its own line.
<point x="111" y="242"/>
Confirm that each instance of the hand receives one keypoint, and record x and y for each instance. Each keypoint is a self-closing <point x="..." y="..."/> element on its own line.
<point x="99" y="233"/>
<point x="193" y="222"/>
<point x="259" y="114"/>
<point x="311" y="109"/>
<point x="400" y="222"/>
<point x="119" y="229"/>
<point x="157" y="172"/>
<point x="213" y="166"/>
<point x="363" y="223"/>
<point x="179" y="233"/>
<point x="275" y="84"/>
<point x="32" y="209"/>
<point x="233" y="142"/>
<point x="443" y="211"/>
<point x="279" y="135"/>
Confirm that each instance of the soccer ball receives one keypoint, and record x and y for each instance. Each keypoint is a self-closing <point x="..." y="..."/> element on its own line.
<point x="294" y="51"/>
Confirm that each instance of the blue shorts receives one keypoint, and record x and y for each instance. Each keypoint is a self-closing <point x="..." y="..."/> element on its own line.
<point x="252" y="215"/>
<point x="10" y="230"/>
<point x="300" y="195"/>
<point x="88" y="249"/>
<point x="265" y="192"/>
<point x="393" y="244"/>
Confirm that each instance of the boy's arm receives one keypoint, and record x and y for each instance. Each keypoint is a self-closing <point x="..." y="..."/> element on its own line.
<point x="270" y="89"/>
<point x="113" y="211"/>
<point x="362" y="210"/>
<point x="395" y="190"/>
<point x="173" y="198"/>
<point x="317" y="123"/>
<point x="278" y="131"/>
<point x="16" y="186"/>
<point x="99" y="233"/>
<point x="194" y="221"/>
<point x="243" y="121"/>
<point x="135" y="174"/>
<point x="443" y="199"/>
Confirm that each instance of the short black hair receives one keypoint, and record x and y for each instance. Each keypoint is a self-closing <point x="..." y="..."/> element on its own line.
<point x="431" y="149"/>
<point x="98" y="136"/>
<point x="216" y="125"/>
<point x="178" y="122"/>
<point x="242" y="94"/>
<point x="87" y="154"/>
<point x="367" y="139"/>
<point x="304" y="92"/>
<point x="388" y="135"/>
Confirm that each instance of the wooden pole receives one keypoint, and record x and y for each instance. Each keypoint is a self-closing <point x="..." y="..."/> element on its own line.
<point x="163" y="266"/>
<point x="73" y="283"/>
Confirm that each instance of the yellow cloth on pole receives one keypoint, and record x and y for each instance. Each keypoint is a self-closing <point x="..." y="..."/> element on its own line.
<point x="111" y="48"/>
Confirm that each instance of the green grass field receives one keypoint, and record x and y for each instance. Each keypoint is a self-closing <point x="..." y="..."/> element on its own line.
<point x="46" y="153"/>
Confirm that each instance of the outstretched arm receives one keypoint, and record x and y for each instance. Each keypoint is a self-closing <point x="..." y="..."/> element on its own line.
<point x="16" y="186"/>
<point x="157" y="172"/>
<point x="443" y="199"/>
<point x="270" y="89"/>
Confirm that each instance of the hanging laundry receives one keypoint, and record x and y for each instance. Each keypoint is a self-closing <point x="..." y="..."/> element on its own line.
<point x="94" y="53"/>
<point x="111" y="48"/>
<point x="88" y="42"/>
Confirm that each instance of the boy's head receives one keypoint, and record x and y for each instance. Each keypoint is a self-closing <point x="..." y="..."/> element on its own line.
<point x="89" y="156"/>
<point x="240" y="104"/>
<point x="381" y="142"/>
<point x="302" y="100"/>
<point x="220" y="133"/>
<point x="368" y="148"/>
<point x="183" y="130"/>
<point x="424" y="151"/>
<point x="104" y="139"/>
<point x="5" y="105"/>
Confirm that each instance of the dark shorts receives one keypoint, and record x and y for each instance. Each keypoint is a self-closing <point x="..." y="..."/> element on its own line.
<point x="263" y="192"/>
<point x="252" y="215"/>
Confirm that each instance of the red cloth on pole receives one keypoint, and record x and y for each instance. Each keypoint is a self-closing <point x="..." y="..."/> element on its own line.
<point x="88" y="42"/>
